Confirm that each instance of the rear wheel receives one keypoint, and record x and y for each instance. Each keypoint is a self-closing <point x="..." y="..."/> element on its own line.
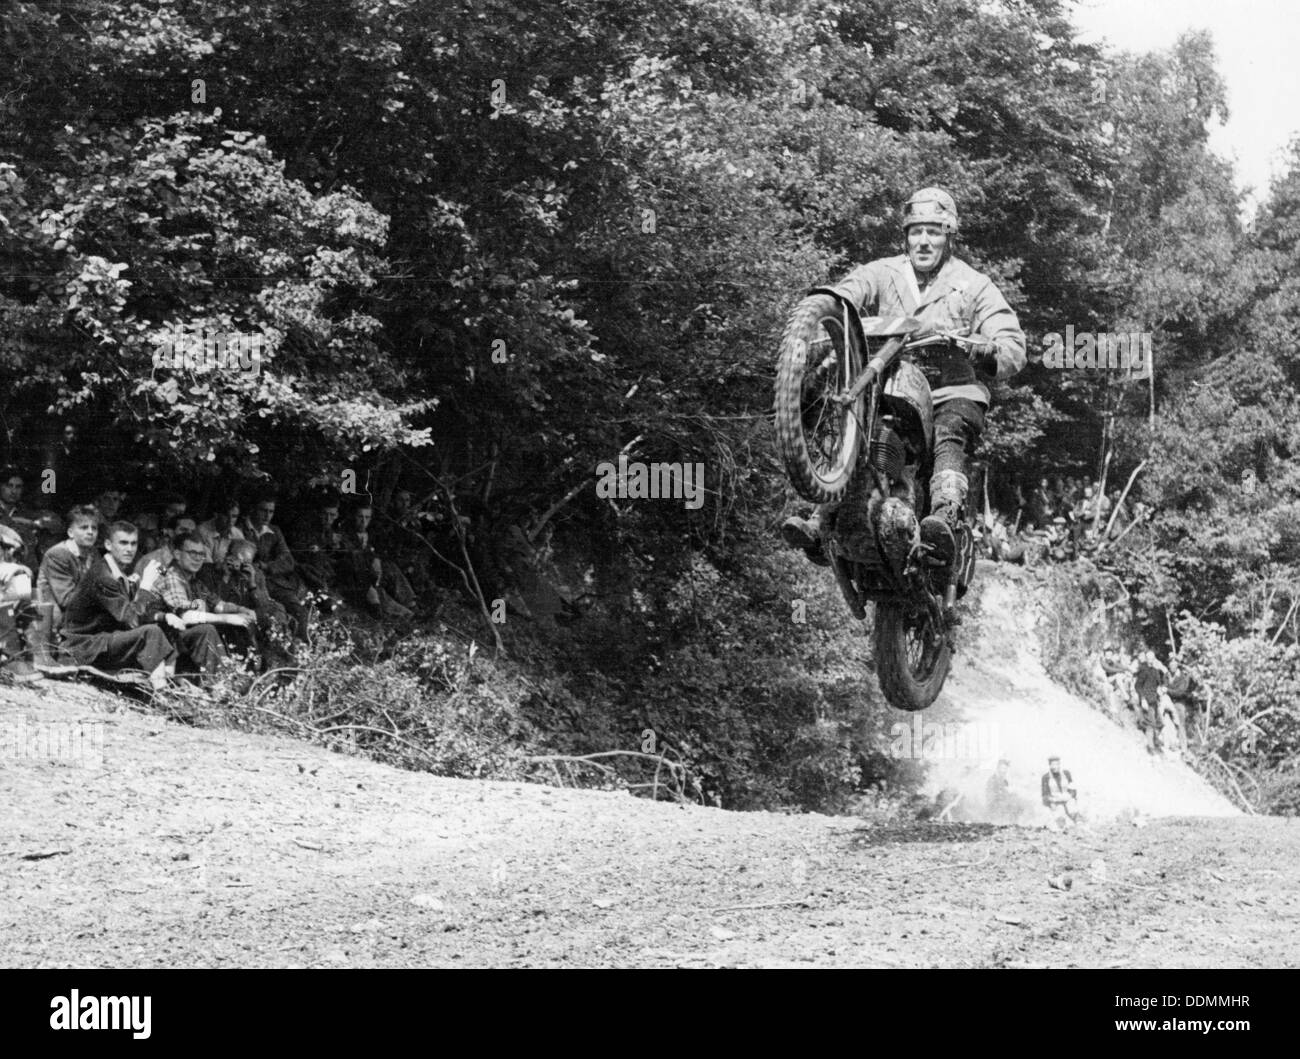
<point x="818" y="438"/>
<point x="912" y="656"/>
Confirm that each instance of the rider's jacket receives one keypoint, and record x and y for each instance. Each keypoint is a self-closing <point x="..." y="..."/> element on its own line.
<point x="957" y="297"/>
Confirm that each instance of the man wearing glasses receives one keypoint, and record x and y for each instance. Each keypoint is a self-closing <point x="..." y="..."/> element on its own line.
<point x="188" y="595"/>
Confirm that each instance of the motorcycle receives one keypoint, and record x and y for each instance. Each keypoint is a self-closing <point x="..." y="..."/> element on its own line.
<point x="835" y="397"/>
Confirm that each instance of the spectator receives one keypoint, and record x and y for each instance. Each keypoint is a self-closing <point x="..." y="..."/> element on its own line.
<point x="1002" y="806"/>
<point x="170" y="505"/>
<point x="1150" y="675"/>
<point x="320" y="548"/>
<point x="1182" y="694"/>
<point x="1006" y="546"/>
<point x="221" y="530"/>
<point x="238" y="584"/>
<point x="173" y="527"/>
<point x="186" y="593"/>
<point x="1059" y="793"/>
<point x="366" y="577"/>
<point x="61" y="570"/>
<point x="405" y="545"/>
<point x="1042" y="506"/>
<point x="116" y="618"/>
<point x="276" y="562"/>
<point x="15" y="608"/>
<point x="109" y="504"/>
<point x="36" y="528"/>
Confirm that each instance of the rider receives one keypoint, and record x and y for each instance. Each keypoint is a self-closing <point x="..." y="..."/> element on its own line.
<point x="945" y="294"/>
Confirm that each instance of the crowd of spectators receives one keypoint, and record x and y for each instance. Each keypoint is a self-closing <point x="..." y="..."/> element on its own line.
<point x="1058" y="520"/>
<point x="1164" y="700"/>
<point x="1069" y="518"/>
<point x="158" y="592"/>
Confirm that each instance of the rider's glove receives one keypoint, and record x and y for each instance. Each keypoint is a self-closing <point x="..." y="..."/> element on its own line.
<point x="984" y="355"/>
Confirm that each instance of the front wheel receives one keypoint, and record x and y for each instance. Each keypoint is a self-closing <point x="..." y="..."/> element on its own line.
<point x="818" y="437"/>
<point x="912" y="656"/>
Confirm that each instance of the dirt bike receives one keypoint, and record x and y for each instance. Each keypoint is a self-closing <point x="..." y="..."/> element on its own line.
<point x="833" y="398"/>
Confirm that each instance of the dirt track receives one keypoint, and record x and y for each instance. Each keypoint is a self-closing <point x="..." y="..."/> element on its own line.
<point x="204" y="848"/>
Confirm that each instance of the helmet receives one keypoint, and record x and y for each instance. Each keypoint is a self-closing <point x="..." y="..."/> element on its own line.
<point x="10" y="539"/>
<point x="931" y="206"/>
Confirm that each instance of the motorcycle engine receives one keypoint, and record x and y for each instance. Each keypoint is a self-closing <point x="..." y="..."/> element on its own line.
<point x="887" y="454"/>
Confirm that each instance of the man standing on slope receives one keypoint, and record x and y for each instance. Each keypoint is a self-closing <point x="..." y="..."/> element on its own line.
<point x="945" y="294"/>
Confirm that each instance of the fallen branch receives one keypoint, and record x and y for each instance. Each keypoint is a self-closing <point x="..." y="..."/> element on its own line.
<point x="1120" y="502"/>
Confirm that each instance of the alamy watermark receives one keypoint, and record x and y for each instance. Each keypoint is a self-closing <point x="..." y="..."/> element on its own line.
<point x="79" y="743"/>
<point x="651" y="481"/>
<point x="196" y="349"/>
<point x="1098" y="350"/>
<point x="953" y="741"/>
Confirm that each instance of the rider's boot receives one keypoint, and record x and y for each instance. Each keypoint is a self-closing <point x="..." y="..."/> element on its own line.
<point x="947" y="499"/>
<point x="807" y="533"/>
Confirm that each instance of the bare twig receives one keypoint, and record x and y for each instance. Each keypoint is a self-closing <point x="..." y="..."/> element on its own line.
<point x="554" y="509"/>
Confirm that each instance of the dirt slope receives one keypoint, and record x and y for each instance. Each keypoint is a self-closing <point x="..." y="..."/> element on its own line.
<point x="998" y="688"/>
<point x="195" y="847"/>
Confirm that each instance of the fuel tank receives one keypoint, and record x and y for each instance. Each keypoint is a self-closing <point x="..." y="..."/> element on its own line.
<point x="907" y="395"/>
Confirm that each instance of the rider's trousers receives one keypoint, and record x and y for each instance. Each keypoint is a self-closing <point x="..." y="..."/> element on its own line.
<point x="958" y="424"/>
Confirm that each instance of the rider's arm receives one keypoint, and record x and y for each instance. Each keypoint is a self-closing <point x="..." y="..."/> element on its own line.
<point x="861" y="285"/>
<point x="995" y="321"/>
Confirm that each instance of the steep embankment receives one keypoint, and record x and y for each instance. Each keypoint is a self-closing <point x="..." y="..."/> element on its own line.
<point x="1000" y="702"/>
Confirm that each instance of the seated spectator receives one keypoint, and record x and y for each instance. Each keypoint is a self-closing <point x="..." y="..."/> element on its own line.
<point x="188" y="593"/>
<point x="171" y="505"/>
<point x="1006" y="545"/>
<point x="319" y="548"/>
<point x="154" y="523"/>
<point x="239" y="587"/>
<point x="276" y="562"/>
<point x="117" y="620"/>
<point x="38" y="529"/>
<point x="221" y="530"/>
<point x="15" y="608"/>
<point x="172" y="528"/>
<point x="109" y="504"/>
<point x="61" y="570"/>
<point x="1002" y="806"/>
<point x="404" y="544"/>
<point x="1042" y="505"/>
<point x="366" y="578"/>
<point x="1059" y="793"/>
